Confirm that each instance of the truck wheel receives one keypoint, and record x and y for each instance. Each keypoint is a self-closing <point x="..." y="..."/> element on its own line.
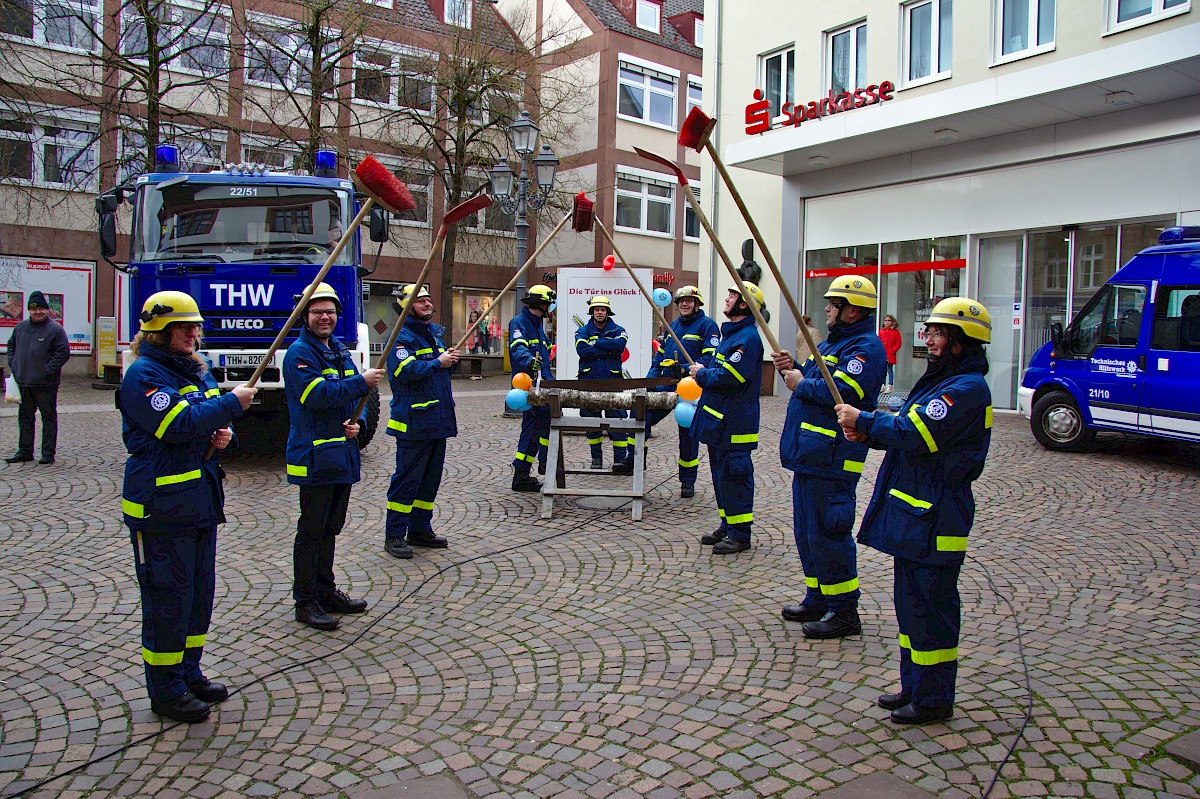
<point x="372" y="411"/>
<point x="1057" y="423"/>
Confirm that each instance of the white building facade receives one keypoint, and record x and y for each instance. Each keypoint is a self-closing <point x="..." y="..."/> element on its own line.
<point x="1014" y="151"/>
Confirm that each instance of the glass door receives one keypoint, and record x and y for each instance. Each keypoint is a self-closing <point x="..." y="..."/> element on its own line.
<point x="1001" y="275"/>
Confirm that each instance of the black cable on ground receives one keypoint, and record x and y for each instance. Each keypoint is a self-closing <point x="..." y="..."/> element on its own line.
<point x="316" y="658"/>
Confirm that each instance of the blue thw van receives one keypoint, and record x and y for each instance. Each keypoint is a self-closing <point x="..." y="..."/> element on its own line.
<point x="1130" y="360"/>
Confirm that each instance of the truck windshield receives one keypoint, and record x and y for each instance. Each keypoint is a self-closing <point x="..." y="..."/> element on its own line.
<point x="230" y="223"/>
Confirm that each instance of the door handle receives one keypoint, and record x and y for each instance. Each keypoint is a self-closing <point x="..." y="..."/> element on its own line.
<point x="1142" y="362"/>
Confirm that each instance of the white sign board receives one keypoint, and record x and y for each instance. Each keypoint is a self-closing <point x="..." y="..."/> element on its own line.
<point x="68" y="289"/>
<point x="631" y="311"/>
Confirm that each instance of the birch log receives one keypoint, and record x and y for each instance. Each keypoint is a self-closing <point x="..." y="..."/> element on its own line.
<point x="602" y="400"/>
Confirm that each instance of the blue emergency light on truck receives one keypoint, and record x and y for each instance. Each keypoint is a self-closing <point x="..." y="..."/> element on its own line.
<point x="245" y="242"/>
<point x="1130" y="360"/>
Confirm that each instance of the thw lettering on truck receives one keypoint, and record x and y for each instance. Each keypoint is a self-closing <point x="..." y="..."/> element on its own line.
<point x="252" y="294"/>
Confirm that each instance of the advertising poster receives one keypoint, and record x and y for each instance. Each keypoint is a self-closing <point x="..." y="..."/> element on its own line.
<point x="630" y="310"/>
<point x="68" y="286"/>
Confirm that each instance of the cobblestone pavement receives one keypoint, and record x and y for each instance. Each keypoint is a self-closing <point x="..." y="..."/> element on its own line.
<point x="591" y="656"/>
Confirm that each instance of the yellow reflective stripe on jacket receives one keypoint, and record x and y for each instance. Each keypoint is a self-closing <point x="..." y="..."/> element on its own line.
<point x="744" y="438"/>
<point x="840" y="588"/>
<point x="910" y="499"/>
<point x="349" y="372"/>
<point x="162" y="658"/>
<point x="187" y="389"/>
<point x="424" y="351"/>
<point x="952" y="543"/>
<point x="321" y="441"/>
<point x="212" y="392"/>
<point x="404" y="363"/>
<point x="848" y="380"/>
<point x="688" y="336"/>
<point x="987" y="418"/>
<point x="744" y="518"/>
<point x="825" y="431"/>
<point x="399" y="508"/>
<point x="133" y="509"/>
<point x="195" y="641"/>
<point x="829" y="358"/>
<point x="297" y="471"/>
<point x="514" y="341"/>
<point x="919" y="423"/>
<point x="422" y="504"/>
<point x="170" y="417"/>
<point x="929" y="657"/>
<point x="735" y="372"/>
<point x="425" y="404"/>
<point x="171" y="479"/>
<point x="687" y="464"/>
<point x="394" y="425"/>
<point x="329" y="371"/>
<point x="309" y="388"/>
<point x="853" y="466"/>
<point x="706" y="350"/>
<point x="717" y="414"/>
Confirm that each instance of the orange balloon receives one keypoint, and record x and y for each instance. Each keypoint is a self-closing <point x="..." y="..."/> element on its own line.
<point x="688" y="389"/>
<point x="522" y="381"/>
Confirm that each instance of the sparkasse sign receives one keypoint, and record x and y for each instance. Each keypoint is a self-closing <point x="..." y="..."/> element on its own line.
<point x="758" y="113"/>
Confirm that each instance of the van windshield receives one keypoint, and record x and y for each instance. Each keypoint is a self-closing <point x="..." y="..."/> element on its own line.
<point x="229" y="223"/>
<point x="1112" y="318"/>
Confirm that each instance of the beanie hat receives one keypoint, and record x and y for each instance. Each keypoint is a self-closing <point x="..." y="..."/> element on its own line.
<point x="37" y="300"/>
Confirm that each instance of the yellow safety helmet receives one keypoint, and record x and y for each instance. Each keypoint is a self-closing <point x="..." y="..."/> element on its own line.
<point x="754" y="291"/>
<point x="855" y="290"/>
<point x="408" y="289"/>
<point x="164" y="307"/>
<point x="600" y="301"/>
<point x="686" y="292"/>
<point x="539" y="293"/>
<point x="324" y="292"/>
<point x="969" y="316"/>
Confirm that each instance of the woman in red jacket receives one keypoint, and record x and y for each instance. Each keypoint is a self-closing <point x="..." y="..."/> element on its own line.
<point x="890" y="335"/>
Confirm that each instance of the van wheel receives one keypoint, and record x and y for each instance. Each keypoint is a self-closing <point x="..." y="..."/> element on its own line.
<point x="1057" y="423"/>
<point x="372" y="426"/>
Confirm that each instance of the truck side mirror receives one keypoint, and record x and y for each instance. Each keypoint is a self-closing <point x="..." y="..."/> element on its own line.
<point x="106" y="210"/>
<point x="380" y="228"/>
<point x="1056" y="334"/>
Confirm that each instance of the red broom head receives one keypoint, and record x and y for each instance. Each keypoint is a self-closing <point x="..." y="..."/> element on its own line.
<point x="466" y="208"/>
<point x="387" y="189"/>
<point x="696" y="129"/>
<point x="581" y="217"/>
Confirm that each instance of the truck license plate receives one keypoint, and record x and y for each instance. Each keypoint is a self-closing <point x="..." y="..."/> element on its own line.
<point x="241" y="360"/>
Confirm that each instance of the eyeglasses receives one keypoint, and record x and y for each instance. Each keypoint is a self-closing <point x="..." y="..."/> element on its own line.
<point x="188" y="327"/>
<point x="931" y="333"/>
<point x="323" y="313"/>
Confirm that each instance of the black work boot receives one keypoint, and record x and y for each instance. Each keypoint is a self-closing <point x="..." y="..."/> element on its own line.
<point x="687" y="490"/>
<point x="597" y="462"/>
<point x="421" y="538"/>
<point x="524" y="481"/>
<point x="312" y="614"/>
<point x="340" y="602"/>
<point x="911" y="714"/>
<point x="208" y="691"/>
<point x="623" y="467"/>
<point x="708" y="539"/>
<point x="20" y="457"/>
<point x="834" y="624"/>
<point x="727" y="546"/>
<point x="185" y="707"/>
<point x="893" y="701"/>
<point x="398" y="548"/>
<point x="802" y="612"/>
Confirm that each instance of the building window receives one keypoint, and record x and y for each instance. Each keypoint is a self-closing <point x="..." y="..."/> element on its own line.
<point x="55" y="154"/>
<point x="645" y="204"/>
<point x="57" y="23"/>
<point x="698" y="32"/>
<point x="279" y="156"/>
<point x="1024" y="26"/>
<point x="283" y="59"/>
<point x="458" y="12"/>
<point x="646" y="95"/>
<point x="695" y="94"/>
<point x="847" y="68"/>
<point x="491" y="220"/>
<point x="419" y="181"/>
<point x="649" y="16"/>
<point x="1092" y="268"/>
<point x="928" y="37"/>
<point x="392" y="79"/>
<point x="1125" y="14"/>
<point x="189" y="38"/>
<point x="691" y="223"/>
<point x="778" y="78"/>
<point x="199" y="151"/>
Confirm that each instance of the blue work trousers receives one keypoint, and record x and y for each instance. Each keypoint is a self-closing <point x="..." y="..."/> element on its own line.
<point x="414" y="486"/>
<point x="733" y="484"/>
<point x="823" y="518"/>
<point x="535" y="438"/>
<point x="929" y="614"/>
<point x="622" y="442"/>
<point x="176" y="572"/>
<point x="689" y="447"/>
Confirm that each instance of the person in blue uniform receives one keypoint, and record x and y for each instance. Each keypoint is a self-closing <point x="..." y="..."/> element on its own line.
<point x="599" y="345"/>
<point x="726" y="419"/>
<point x="322" y="386"/>
<point x="422" y="418"/>
<point x="923" y="507"/>
<point x="825" y="465"/>
<point x="529" y="352"/>
<point x="172" y="500"/>
<point x="700" y="336"/>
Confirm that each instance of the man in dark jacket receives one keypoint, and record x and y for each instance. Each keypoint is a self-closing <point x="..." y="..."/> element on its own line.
<point x="529" y="352"/>
<point x="37" y="352"/>
<point x="600" y="343"/>
<point x="323" y="385"/>
<point x="422" y="418"/>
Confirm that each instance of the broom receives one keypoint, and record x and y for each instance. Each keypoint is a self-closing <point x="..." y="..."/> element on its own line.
<point x="696" y="134"/>
<point x="382" y="188"/>
<point x="463" y="209"/>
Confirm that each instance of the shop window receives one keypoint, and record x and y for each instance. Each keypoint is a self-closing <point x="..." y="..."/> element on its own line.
<point x="645" y="204"/>
<point x="54" y="154"/>
<point x="649" y="16"/>
<point x="847" y="52"/>
<point x="71" y="24"/>
<point x="1177" y="320"/>
<point x="646" y="95"/>
<point x="1137" y="236"/>
<point x="1001" y="282"/>
<point x="1023" y="27"/>
<point x="928" y="38"/>
<point x="777" y="78"/>
<point x="1046" y="302"/>
<point x="1126" y="14"/>
<point x="1095" y="261"/>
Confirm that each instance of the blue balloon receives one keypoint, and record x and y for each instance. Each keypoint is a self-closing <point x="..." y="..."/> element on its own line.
<point x="662" y="298"/>
<point x="553" y="307"/>
<point x="517" y="399"/>
<point x="684" y="413"/>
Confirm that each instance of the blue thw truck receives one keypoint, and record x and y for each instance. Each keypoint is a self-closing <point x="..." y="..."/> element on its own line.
<point x="245" y="242"/>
